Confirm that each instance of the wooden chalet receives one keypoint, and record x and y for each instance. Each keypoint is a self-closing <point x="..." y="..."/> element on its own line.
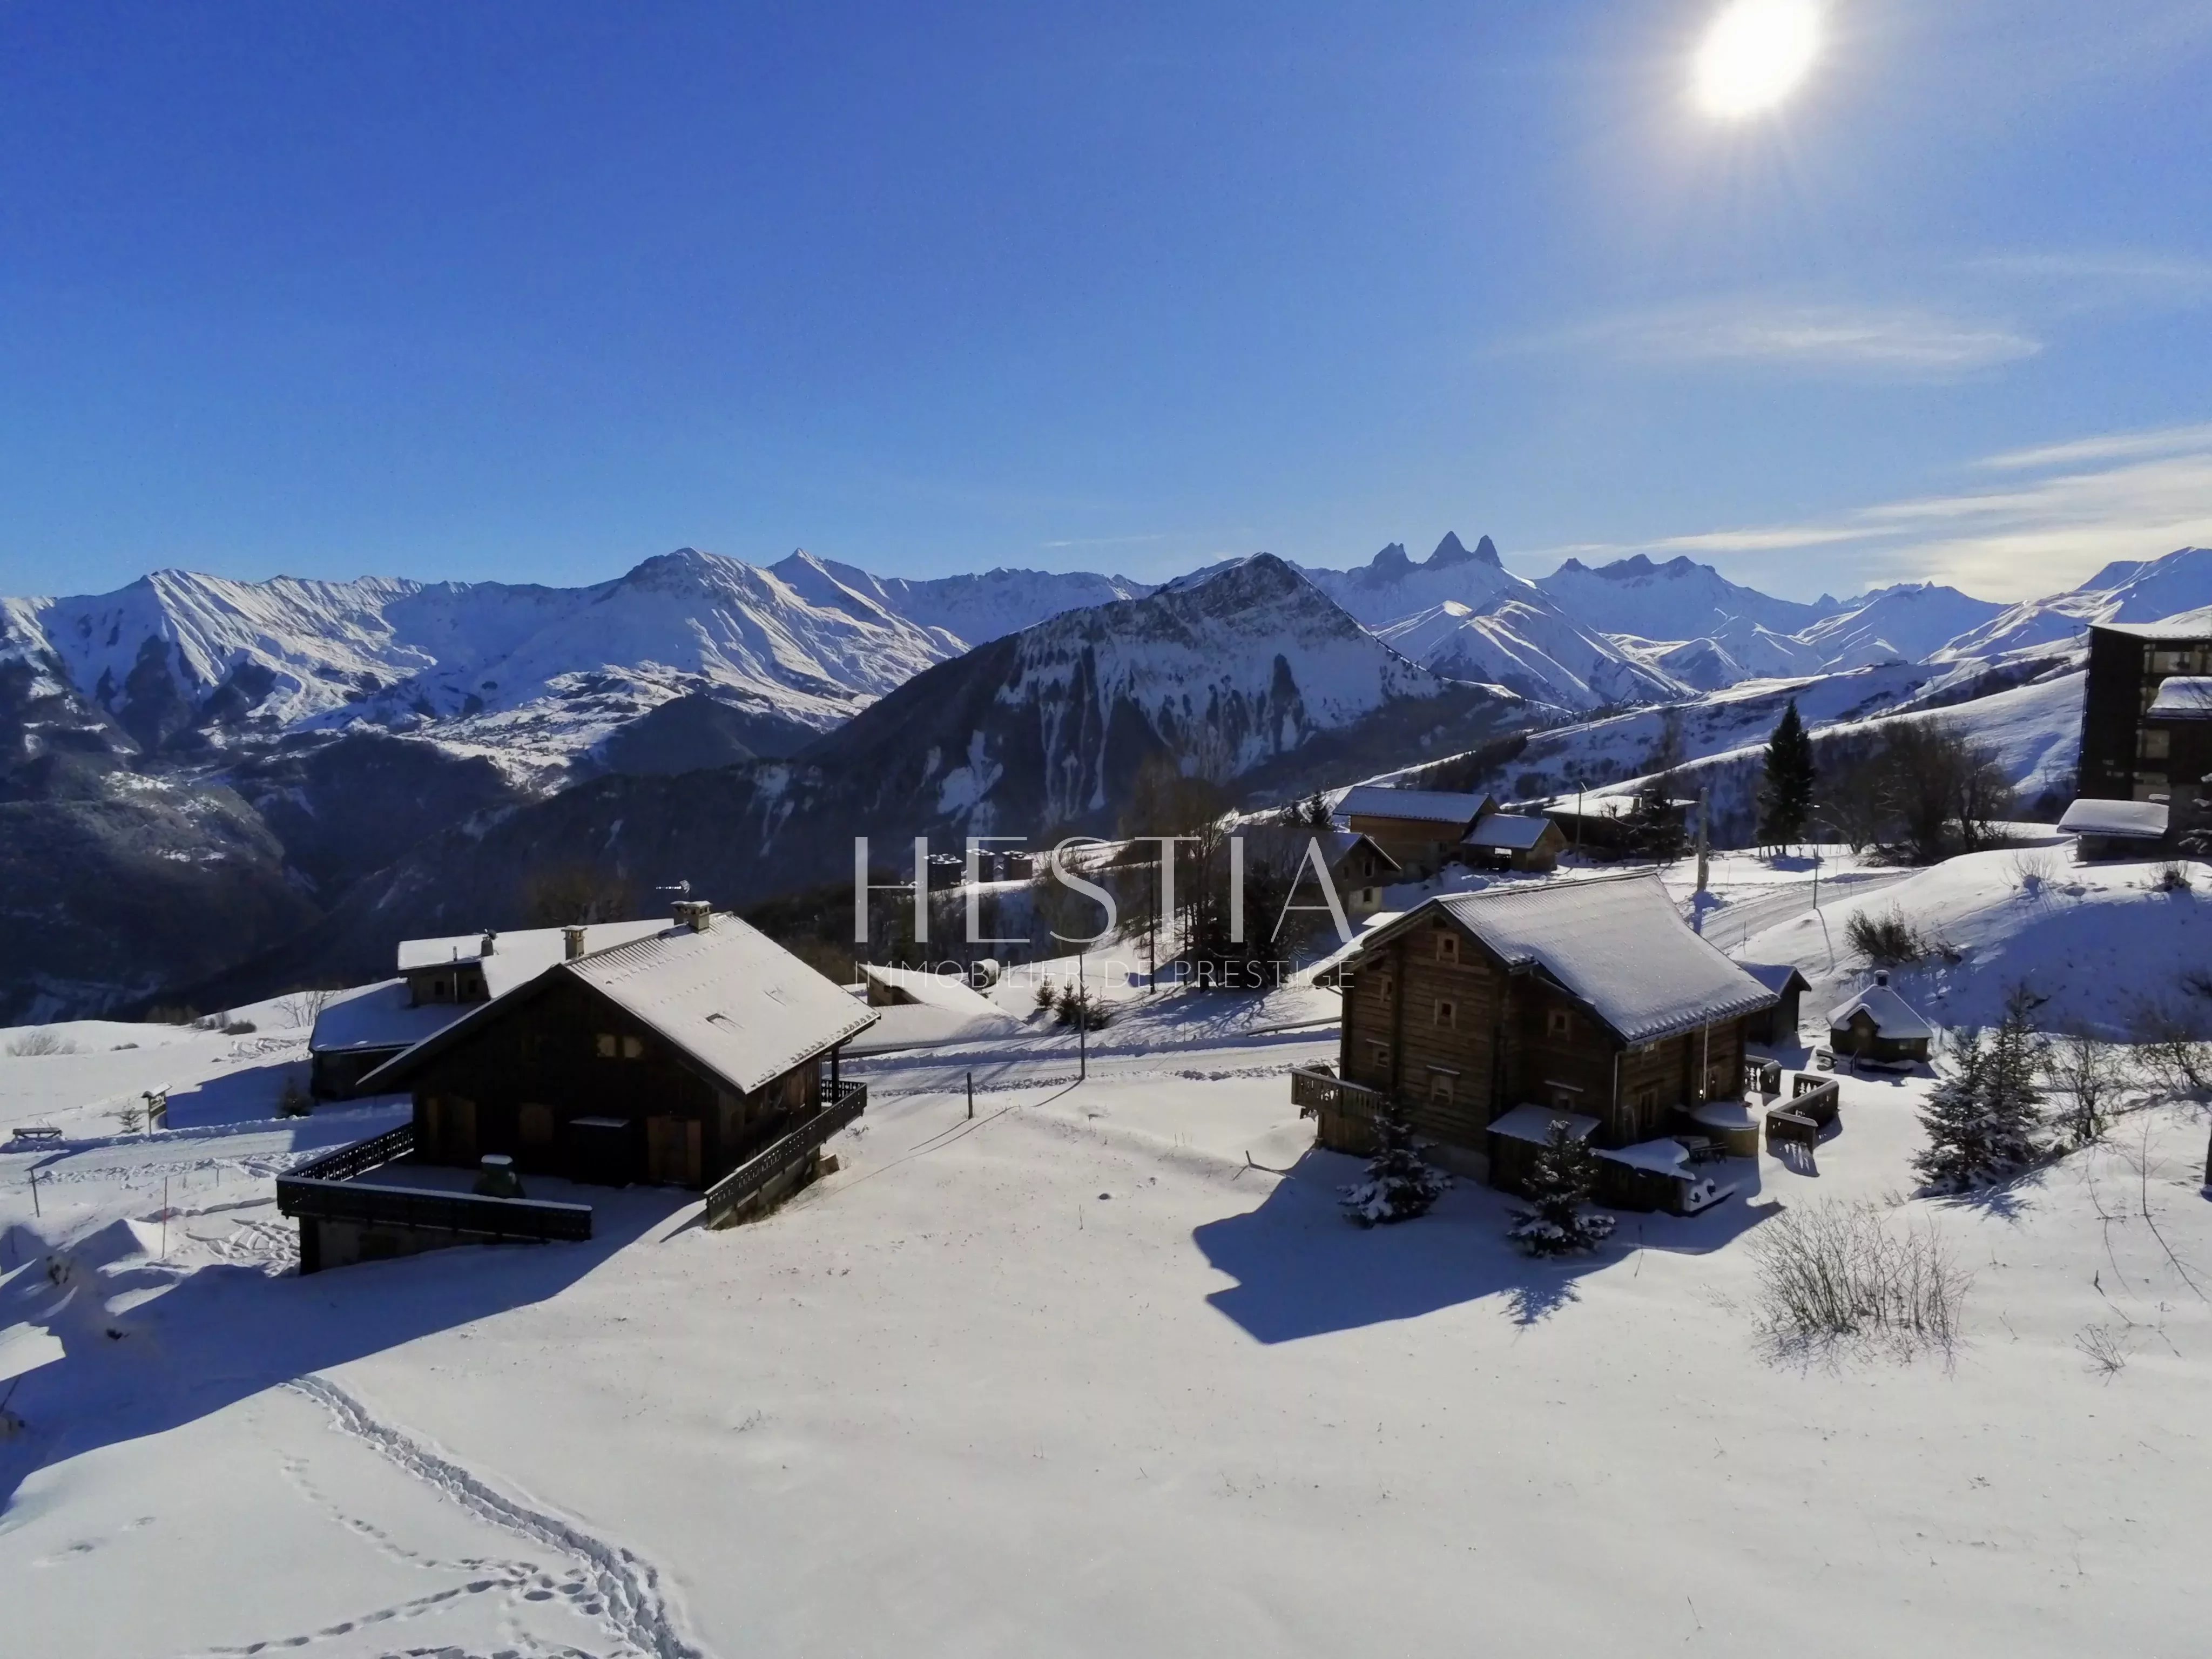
<point x="1420" y="830"/>
<point x="1488" y="1015"/>
<point x="438" y="980"/>
<point x="1878" y="1024"/>
<point x="669" y="1058"/>
<point x="1508" y="841"/>
<point x="1361" y="869"/>
<point x="1778" y="1025"/>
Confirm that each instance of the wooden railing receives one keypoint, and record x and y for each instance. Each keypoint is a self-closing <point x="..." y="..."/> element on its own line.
<point x="378" y="1206"/>
<point x="1816" y="1097"/>
<point x="348" y="1161"/>
<point x="1314" y="1093"/>
<point x="734" y="1190"/>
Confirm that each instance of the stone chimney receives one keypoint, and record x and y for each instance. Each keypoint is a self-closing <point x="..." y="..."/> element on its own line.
<point x="490" y="943"/>
<point x="696" y="913"/>
<point x="1881" y="976"/>
<point x="572" y="943"/>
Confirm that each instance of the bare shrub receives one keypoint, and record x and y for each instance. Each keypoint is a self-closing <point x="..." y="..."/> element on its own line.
<point x="2173" y="1051"/>
<point x="40" y="1041"/>
<point x="1887" y="940"/>
<point x="304" y="1007"/>
<point x="2170" y="876"/>
<point x="2034" y="873"/>
<point x="2105" y="1349"/>
<point x="1837" y="1273"/>
<point x="2084" y="1074"/>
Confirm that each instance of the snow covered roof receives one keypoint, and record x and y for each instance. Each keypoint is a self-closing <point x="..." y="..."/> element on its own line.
<point x="1337" y="844"/>
<point x="2173" y="627"/>
<point x="921" y="1026"/>
<point x="1373" y="800"/>
<point x="1507" y="831"/>
<point x="378" y="1016"/>
<point x="1776" y="976"/>
<point x="1617" y="943"/>
<point x="1665" y="1158"/>
<point x="2137" y="820"/>
<point x="737" y="1003"/>
<point x="520" y="957"/>
<point x="1534" y="1123"/>
<point x="1891" y="1015"/>
<point x="942" y="991"/>
<point x="2184" y="696"/>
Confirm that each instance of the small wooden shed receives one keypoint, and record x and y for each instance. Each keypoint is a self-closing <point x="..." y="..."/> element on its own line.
<point x="1879" y="1024"/>
<point x="1507" y="840"/>
<point x="1778" y="1025"/>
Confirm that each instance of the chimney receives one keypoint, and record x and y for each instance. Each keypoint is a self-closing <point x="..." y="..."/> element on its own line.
<point x="572" y="943"/>
<point x="696" y="913"/>
<point x="1881" y="976"/>
<point x="490" y="943"/>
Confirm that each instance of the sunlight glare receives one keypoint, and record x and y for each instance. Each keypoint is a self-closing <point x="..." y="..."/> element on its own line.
<point x="1754" y="53"/>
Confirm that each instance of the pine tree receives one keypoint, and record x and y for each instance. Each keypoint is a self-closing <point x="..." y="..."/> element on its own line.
<point x="1400" y="1184"/>
<point x="1982" y="1120"/>
<point x="1653" y="827"/>
<point x="1559" y="1182"/>
<point x="1786" y="799"/>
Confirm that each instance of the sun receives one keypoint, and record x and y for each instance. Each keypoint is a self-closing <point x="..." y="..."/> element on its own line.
<point x="1754" y="54"/>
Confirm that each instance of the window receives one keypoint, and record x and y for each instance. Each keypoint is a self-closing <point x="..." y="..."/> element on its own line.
<point x="1647" y="1099"/>
<point x="1380" y="1054"/>
<point x="1386" y="987"/>
<point x="633" y="1048"/>
<point x="2157" y="744"/>
<point x="1446" y="947"/>
<point x="440" y="991"/>
<point x="1440" y="1090"/>
<point x="605" y="1045"/>
<point x="1559" y="1023"/>
<point x="1447" y="1016"/>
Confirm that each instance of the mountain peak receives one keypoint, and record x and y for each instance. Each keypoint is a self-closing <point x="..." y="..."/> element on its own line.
<point x="1451" y="550"/>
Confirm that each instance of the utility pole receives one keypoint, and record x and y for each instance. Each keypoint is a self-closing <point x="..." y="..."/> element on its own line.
<point x="1082" y="1022"/>
<point x="1705" y="842"/>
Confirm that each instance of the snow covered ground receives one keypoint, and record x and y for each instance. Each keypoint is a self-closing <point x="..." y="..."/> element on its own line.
<point x="1099" y="1369"/>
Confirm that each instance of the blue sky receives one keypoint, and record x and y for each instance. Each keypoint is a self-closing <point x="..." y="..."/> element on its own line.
<point x="532" y="291"/>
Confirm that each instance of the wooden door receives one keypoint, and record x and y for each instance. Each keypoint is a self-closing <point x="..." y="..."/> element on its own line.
<point x="534" y="1125"/>
<point x="458" y="1144"/>
<point x="672" y="1151"/>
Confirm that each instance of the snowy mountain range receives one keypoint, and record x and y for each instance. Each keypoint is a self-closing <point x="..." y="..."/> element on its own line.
<point x="247" y="757"/>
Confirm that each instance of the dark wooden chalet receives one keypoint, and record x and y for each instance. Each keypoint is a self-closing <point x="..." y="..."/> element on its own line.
<point x="668" y="1060"/>
<point x="1590" y="999"/>
<point x="1878" y="1024"/>
<point x="1777" y="1026"/>
<point x="1420" y="829"/>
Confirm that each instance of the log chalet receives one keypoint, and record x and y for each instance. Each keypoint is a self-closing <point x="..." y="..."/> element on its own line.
<point x="670" y="1059"/>
<point x="1590" y="1001"/>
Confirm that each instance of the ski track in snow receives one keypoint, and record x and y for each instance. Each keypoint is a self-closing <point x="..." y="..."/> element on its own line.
<point x="600" y="1580"/>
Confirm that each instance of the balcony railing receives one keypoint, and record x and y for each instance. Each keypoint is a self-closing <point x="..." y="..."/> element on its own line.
<point x="746" y="1182"/>
<point x="1313" y="1092"/>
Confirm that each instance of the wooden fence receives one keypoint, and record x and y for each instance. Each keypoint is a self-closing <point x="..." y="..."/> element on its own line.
<point x="424" y="1208"/>
<point x="743" y="1184"/>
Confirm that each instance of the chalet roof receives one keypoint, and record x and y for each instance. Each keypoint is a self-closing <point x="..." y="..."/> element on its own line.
<point x="1507" y="832"/>
<point x="1337" y="845"/>
<point x="378" y="1016"/>
<point x="732" y="1000"/>
<point x="1779" y="977"/>
<point x="520" y="957"/>
<point x="1615" y="942"/>
<point x="1534" y="1123"/>
<point x="931" y="990"/>
<point x="1891" y="1015"/>
<point x="1374" y="801"/>
<point x="2183" y="697"/>
<point x="2128" y="820"/>
<point x="2193" y="626"/>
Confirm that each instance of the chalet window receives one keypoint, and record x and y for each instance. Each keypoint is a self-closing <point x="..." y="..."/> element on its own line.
<point x="2157" y="744"/>
<point x="1440" y="1090"/>
<point x="1447" y="1015"/>
<point x="1559" y="1023"/>
<point x="1386" y="987"/>
<point x="1647" y="1100"/>
<point x="440" y="991"/>
<point x="1446" y="947"/>
<point x="606" y="1045"/>
<point x="1379" y="1053"/>
<point x="633" y="1048"/>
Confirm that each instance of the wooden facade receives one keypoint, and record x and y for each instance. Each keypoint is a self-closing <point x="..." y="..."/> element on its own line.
<point x="2127" y="753"/>
<point x="1433" y="1017"/>
<point x="567" y="1082"/>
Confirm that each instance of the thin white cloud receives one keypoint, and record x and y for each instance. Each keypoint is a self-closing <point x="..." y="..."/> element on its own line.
<point x="2070" y="509"/>
<point x="1886" y="342"/>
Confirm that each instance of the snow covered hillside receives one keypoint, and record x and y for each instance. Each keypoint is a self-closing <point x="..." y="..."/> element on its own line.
<point x="1680" y="599"/>
<point x="1099" y="1369"/>
<point x="2127" y="591"/>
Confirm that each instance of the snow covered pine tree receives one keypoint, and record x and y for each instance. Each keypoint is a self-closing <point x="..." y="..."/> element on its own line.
<point x="1400" y="1184"/>
<point x="1559" y="1182"/>
<point x="1981" y="1120"/>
